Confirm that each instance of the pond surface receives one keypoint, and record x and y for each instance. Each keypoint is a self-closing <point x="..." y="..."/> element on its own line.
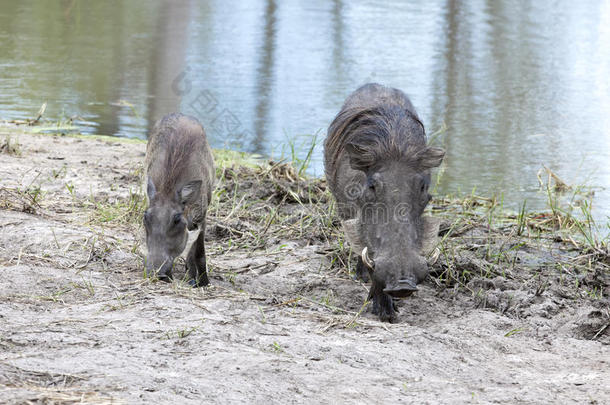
<point x="507" y="86"/>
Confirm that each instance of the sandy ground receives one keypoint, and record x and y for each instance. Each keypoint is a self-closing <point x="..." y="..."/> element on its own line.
<point x="280" y="323"/>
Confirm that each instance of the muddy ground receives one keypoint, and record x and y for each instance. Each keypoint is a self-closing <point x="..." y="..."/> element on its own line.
<point x="515" y="311"/>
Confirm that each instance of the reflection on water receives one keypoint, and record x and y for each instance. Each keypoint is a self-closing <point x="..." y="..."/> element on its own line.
<point x="517" y="85"/>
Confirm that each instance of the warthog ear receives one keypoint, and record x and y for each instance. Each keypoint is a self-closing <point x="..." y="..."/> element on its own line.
<point x="360" y="156"/>
<point x="190" y="192"/>
<point x="430" y="157"/>
<point x="151" y="190"/>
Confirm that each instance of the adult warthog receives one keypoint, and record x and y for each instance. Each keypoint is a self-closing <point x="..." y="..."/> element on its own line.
<point x="377" y="166"/>
<point x="179" y="175"/>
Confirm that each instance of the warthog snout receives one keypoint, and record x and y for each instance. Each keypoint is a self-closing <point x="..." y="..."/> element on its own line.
<point x="160" y="268"/>
<point x="411" y="277"/>
<point x="399" y="275"/>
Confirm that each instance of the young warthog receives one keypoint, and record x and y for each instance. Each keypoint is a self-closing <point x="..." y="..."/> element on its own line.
<point x="378" y="166"/>
<point x="179" y="175"/>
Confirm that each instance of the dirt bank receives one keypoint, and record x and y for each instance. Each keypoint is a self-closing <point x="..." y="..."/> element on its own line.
<point x="516" y="310"/>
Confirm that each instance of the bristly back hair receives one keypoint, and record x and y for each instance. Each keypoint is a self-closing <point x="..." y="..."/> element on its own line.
<point x="179" y="136"/>
<point x="377" y="134"/>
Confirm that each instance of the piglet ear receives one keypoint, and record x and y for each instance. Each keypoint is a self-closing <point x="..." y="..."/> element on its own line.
<point x="430" y="157"/>
<point x="190" y="192"/>
<point x="151" y="190"/>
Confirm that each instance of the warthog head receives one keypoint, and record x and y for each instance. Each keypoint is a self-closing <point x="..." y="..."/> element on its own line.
<point x="166" y="226"/>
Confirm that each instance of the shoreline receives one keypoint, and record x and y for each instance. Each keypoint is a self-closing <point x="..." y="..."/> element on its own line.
<point x="557" y="194"/>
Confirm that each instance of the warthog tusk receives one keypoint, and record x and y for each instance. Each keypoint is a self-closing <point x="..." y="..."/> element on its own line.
<point x="434" y="256"/>
<point x="366" y="259"/>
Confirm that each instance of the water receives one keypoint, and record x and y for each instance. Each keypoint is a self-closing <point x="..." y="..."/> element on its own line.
<point x="516" y="85"/>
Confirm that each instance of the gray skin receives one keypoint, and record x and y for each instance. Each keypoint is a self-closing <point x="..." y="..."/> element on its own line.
<point x="377" y="166"/>
<point x="179" y="178"/>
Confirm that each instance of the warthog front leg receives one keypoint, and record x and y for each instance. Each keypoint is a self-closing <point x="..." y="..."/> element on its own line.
<point x="196" y="263"/>
<point x="362" y="272"/>
<point x="383" y="304"/>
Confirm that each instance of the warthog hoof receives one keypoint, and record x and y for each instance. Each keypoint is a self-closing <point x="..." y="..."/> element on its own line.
<point x="362" y="271"/>
<point x="201" y="283"/>
<point x="383" y="304"/>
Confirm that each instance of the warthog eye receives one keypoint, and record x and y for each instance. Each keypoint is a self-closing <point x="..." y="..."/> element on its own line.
<point x="424" y="185"/>
<point x="374" y="183"/>
<point x="372" y="191"/>
<point x="177" y="218"/>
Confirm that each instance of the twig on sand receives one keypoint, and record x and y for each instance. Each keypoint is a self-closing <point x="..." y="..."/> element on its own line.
<point x="599" y="332"/>
<point x="352" y="321"/>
